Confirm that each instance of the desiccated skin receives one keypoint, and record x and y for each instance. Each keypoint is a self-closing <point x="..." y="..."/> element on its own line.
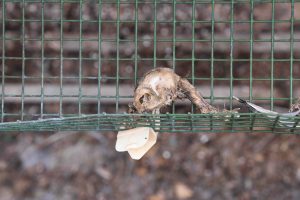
<point x="160" y="87"/>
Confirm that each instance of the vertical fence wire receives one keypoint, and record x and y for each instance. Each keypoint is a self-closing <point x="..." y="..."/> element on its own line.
<point x="80" y="58"/>
<point x="99" y="55"/>
<point x="118" y="57"/>
<point x="193" y="46"/>
<point x="292" y="50"/>
<point x="174" y="36"/>
<point x="231" y="49"/>
<point x="212" y="43"/>
<point x="61" y="58"/>
<point x="174" y="43"/>
<point x="3" y="62"/>
<point x="42" y="62"/>
<point x="23" y="60"/>
<point x="272" y="56"/>
<point x="251" y="60"/>
<point x="251" y="50"/>
<point x="155" y="34"/>
<point x="212" y="55"/>
<point x="136" y="15"/>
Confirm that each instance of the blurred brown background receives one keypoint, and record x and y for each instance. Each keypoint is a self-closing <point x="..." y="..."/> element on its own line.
<point x="85" y="165"/>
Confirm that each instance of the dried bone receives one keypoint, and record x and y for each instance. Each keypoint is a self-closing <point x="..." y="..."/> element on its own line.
<point x="160" y="87"/>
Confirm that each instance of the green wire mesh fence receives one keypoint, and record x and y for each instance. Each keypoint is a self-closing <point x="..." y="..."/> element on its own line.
<point x="73" y="65"/>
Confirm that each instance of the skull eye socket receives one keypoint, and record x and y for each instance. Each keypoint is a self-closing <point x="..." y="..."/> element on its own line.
<point x="146" y="97"/>
<point x="141" y="100"/>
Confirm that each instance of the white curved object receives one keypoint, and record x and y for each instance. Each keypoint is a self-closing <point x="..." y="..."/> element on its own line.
<point x="136" y="141"/>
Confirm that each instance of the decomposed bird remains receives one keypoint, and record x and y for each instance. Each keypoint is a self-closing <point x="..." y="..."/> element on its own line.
<point x="160" y="87"/>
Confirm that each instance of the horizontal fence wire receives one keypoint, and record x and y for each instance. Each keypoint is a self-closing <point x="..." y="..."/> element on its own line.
<point x="65" y="63"/>
<point x="215" y="123"/>
<point x="151" y="2"/>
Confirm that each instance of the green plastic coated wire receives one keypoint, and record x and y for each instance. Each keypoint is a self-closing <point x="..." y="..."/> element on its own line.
<point x="63" y="70"/>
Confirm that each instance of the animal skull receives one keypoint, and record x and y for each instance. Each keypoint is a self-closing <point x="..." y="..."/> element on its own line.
<point x="160" y="87"/>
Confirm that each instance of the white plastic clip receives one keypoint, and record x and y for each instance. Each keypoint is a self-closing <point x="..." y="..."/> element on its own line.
<point x="136" y="141"/>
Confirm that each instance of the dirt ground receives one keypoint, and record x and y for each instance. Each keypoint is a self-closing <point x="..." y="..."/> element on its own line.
<point x="179" y="166"/>
<point x="85" y="165"/>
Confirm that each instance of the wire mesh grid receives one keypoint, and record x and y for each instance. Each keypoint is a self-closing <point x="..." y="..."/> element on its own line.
<point x="73" y="65"/>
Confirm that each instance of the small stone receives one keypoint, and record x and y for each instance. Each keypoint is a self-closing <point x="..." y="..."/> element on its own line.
<point x="182" y="191"/>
